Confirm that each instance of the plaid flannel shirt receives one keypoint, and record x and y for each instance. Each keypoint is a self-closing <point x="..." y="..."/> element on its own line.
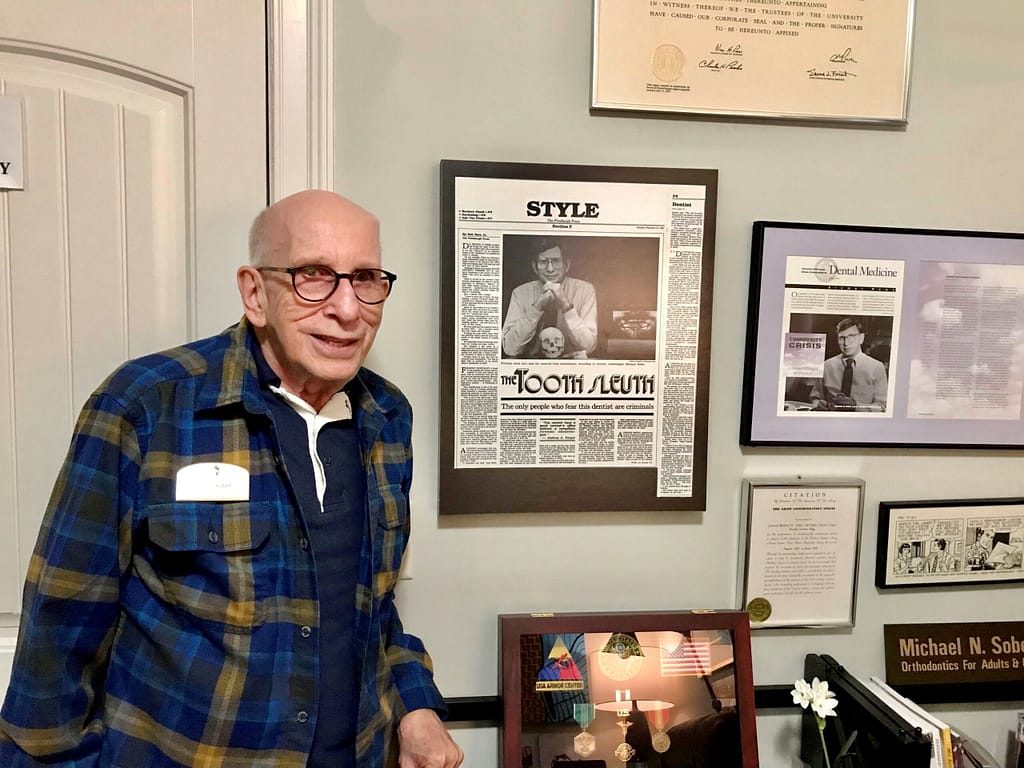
<point x="174" y="633"/>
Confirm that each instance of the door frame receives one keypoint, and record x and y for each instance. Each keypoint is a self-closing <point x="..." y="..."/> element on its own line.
<point x="300" y="96"/>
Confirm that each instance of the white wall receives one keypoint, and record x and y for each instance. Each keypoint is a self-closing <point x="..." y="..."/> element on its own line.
<point x="502" y="81"/>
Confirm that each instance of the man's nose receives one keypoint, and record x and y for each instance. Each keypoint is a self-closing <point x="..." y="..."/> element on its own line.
<point x="343" y="301"/>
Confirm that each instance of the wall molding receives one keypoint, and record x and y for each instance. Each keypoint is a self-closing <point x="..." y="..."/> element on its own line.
<point x="300" y="95"/>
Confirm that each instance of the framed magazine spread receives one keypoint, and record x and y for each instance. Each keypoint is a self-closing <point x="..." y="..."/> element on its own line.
<point x="668" y="689"/>
<point x="798" y="567"/>
<point x="575" y="337"/>
<point x="966" y="541"/>
<point x="877" y="336"/>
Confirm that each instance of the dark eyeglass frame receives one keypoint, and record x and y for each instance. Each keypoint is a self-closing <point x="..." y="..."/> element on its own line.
<point x="338" y="277"/>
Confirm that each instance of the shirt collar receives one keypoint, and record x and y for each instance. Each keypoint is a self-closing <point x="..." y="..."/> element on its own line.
<point x="337" y="407"/>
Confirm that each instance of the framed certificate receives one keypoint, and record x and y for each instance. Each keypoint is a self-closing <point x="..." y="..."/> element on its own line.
<point x="832" y="60"/>
<point x="799" y="567"/>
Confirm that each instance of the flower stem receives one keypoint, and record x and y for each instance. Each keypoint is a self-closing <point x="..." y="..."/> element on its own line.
<point x="821" y="733"/>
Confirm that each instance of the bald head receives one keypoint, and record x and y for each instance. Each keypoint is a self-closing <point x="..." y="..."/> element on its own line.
<point x="316" y="346"/>
<point x="300" y="215"/>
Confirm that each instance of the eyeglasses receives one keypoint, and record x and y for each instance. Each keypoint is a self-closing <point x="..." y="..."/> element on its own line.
<point x="315" y="282"/>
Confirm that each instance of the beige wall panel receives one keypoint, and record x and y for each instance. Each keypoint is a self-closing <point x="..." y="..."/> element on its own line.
<point x="96" y="246"/>
<point x="39" y="332"/>
<point x="117" y="28"/>
<point x="157" y="269"/>
<point x="98" y="261"/>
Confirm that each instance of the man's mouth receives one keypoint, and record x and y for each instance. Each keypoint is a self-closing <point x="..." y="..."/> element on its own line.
<point x="333" y="341"/>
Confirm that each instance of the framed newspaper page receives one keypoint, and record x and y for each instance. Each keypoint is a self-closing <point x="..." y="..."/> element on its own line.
<point x="575" y="337"/>
<point x="966" y="541"/>
<point x="668" y="688"/>
<point x="801" y="540"/>
<point x="831" y="60"/>
<point x="876" y="336"/>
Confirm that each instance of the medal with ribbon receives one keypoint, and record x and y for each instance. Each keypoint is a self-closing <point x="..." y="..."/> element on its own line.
<point x="584" y="744"/>
<point x="657" y="718"/>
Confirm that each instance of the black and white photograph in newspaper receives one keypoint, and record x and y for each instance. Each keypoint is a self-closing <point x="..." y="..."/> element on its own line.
<point x="579" y="297"/>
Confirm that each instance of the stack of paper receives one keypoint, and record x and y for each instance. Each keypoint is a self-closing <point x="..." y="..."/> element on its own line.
<point x="931" y="726"/>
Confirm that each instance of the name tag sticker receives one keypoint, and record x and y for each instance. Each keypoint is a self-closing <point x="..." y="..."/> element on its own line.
<point x="211" y="481"/>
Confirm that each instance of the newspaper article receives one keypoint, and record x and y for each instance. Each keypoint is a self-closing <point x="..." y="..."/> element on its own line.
<point x="577" y="324"/>
<point x="968" y="361"/>
<point x="839" y="337"/>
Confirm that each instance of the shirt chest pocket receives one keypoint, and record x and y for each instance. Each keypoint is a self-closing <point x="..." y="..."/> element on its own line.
<point x="390" y="508"/>
<point x="209" y="559"/>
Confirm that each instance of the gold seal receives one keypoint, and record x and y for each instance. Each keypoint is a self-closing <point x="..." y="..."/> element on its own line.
<point x="759" y="609"/>
<point x="667" y="63"/>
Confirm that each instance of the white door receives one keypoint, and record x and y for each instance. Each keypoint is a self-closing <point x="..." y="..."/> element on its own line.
<point x="145" y="159"/>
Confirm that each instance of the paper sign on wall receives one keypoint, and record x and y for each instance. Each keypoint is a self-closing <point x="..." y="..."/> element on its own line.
<point x="12" y="151"/>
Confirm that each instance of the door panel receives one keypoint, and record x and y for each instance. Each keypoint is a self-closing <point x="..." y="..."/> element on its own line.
<point x="145" y="160"/>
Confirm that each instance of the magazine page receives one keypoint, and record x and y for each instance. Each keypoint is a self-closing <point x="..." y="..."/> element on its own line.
<point x="840" y="326"/>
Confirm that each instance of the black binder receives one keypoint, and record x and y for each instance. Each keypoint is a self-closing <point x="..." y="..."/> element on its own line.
<point x="884" y="739"/>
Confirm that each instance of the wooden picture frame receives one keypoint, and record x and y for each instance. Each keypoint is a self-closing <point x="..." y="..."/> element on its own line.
<point x="678" y="685"/>
<point x="615" y="419"/>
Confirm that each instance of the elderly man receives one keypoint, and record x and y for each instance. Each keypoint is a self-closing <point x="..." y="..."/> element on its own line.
<point x="552" y="300"/>
<point x="213" y="583"/>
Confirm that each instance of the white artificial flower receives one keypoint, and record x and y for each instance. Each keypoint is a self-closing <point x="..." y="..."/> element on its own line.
<point x="802" y="694"/>
<point x="816" y="695"/>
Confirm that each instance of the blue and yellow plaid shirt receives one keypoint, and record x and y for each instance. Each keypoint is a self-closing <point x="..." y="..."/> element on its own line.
<point x="161" y="633"/>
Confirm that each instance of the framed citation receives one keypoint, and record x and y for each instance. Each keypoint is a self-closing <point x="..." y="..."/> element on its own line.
<point x="831" y="60"/>
<point x="800" y="564"/>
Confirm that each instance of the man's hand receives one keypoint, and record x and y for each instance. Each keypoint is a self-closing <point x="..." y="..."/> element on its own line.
<point x="425" y="742"/>
<point x="843" y="402"/>
<point x="556" y="296"/>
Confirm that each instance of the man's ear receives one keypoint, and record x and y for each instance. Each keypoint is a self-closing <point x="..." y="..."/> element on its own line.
<point x="254" y="299"/>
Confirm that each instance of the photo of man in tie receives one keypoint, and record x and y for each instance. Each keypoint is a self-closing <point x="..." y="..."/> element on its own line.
<point x="851" y="380"/>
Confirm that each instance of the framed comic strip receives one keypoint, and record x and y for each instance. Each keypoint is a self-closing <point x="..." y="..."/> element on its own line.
<point x="878" y="336"/>
<point x="653" y="688"/>
<point x="798" y="565"/>
<point x="966" y="541"/>
<point x="575" y="337"/>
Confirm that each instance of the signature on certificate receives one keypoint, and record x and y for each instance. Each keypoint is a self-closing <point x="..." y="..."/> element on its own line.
<point x="728" y="50"/>
<point x="718" y="66"/>
<point x="843" y="57"/>
<point x="829" y="74"/>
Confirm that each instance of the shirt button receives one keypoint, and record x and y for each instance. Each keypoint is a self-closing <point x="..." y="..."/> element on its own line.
<point x="302" y="717"/>
<point x="213" y="537"/>
<point x="304" y="543"/>
<point x="305" y="631"/>
<point x="327" y="460"/>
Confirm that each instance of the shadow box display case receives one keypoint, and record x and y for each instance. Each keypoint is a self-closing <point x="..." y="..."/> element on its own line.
<point x="646" y="690"/>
